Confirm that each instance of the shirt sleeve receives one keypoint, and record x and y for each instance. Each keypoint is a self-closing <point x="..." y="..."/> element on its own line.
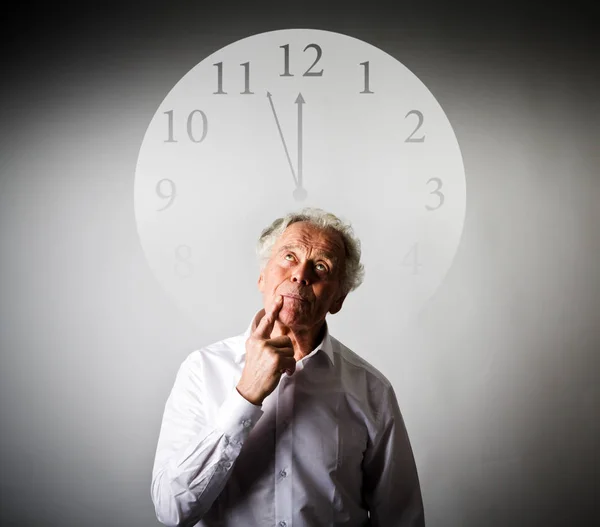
<point x="390" y="481"/>
<point x="194" y="457"/>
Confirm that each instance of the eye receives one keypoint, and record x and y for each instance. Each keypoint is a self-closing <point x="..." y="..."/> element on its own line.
<point x="321" y="264"/>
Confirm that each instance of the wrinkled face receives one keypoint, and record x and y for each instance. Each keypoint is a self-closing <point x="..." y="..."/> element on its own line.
<point x="306" y="262"/>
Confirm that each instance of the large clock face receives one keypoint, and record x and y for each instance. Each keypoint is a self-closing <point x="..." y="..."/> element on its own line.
<point x="292" y="118"/>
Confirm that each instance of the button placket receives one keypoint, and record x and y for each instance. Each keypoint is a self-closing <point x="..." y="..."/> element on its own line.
<point x="284" y="403"/>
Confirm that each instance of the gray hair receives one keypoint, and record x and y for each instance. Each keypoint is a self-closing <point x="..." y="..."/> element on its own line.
<point x="352" y="273"/>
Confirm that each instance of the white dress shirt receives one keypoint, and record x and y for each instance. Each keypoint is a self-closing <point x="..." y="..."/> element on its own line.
<point x="328" y="447"/>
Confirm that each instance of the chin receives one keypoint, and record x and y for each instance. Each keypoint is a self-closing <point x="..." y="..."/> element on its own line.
<point x="294" y="320"/>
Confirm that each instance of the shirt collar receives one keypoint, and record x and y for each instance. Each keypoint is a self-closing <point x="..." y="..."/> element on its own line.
<point x="325" y="344"/>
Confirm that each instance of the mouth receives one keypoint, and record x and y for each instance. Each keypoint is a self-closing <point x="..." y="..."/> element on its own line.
<point x="296" y="297"/>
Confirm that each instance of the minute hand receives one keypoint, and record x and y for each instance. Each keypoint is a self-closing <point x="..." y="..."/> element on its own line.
<point x="269" y="96"/>
<point x="300" y="102"/>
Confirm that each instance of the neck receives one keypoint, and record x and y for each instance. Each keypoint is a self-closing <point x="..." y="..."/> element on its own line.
<point x="303" y="340"/>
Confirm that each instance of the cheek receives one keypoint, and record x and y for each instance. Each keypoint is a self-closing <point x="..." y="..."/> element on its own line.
<point x="277" y="274"/>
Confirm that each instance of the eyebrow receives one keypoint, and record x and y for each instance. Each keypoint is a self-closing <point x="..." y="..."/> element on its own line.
<point x="326" y="254"/>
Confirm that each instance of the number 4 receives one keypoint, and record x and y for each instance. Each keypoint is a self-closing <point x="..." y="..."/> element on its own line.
<point x="411" y="259"/>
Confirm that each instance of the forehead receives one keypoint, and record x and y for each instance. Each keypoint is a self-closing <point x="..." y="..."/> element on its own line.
<point x="304" y="234"/>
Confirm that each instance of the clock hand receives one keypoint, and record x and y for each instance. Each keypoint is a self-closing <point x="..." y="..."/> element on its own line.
<point x="300" y="102"/>
<point x="282" y="138"/>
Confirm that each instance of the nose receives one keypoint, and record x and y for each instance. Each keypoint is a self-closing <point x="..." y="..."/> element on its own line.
<point x="302" y="273"/>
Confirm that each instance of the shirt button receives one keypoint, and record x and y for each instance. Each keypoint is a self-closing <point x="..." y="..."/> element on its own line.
<point x="283" y="473"/>
<point x="228" y="464"/>
<point x="246" y="423"/>
<point x="282" y="523"/>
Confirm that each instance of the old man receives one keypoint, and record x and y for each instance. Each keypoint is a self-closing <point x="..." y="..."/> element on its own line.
<point x="283" y="425"/>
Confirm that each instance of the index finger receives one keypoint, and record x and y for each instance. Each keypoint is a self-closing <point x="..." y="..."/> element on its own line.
<point x="267" y="322"/>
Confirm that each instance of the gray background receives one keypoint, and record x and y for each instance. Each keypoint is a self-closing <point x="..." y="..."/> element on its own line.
<point x="505" y="422"/>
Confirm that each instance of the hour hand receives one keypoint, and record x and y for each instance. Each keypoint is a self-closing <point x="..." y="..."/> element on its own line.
<point x="300" y="102"/>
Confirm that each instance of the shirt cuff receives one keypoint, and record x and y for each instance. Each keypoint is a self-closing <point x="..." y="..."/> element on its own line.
<point x="237" y="416"/>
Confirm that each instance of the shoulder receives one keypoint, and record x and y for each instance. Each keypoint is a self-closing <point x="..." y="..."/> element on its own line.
<point x="210" y="359"/>
<point x="362" y="381"/>
<point x="206" y="374"/>
<point x="356" y="365"/>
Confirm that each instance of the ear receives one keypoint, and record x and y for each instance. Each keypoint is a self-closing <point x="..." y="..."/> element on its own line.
<point x="337" y="305"/>
<point x="261" y="282"/>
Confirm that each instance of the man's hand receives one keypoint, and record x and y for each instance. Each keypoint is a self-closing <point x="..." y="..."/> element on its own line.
<point x="266" y="359"/>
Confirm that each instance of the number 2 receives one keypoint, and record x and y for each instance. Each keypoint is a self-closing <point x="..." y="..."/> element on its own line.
<point x="410" y="138"/>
